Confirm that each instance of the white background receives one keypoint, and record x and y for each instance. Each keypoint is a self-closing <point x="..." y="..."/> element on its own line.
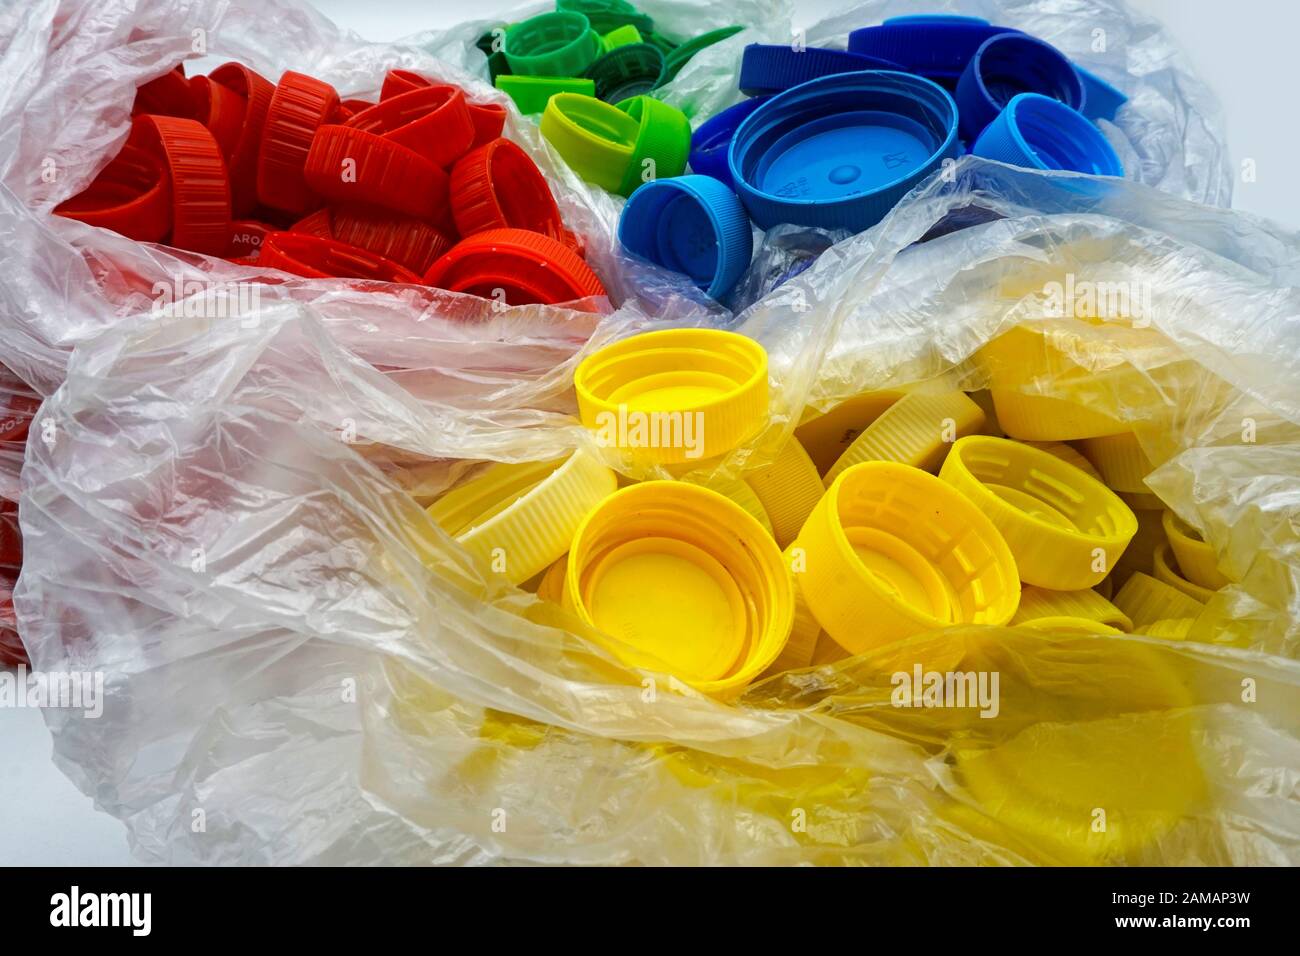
<point x="1244" y="50"/>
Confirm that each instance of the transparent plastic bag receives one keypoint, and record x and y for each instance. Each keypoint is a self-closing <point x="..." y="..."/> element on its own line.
<point x="228" y="523"/>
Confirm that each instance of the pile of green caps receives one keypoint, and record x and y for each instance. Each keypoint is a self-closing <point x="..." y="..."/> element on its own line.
<point x="588" y="68"/>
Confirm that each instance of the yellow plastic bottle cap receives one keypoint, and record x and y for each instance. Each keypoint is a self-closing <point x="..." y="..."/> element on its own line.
<point x="742" y="494"/>
<point x="518" y="518"/>
<point x="789" y="489"/>
<point x="682" y="579"/>
<point x="799" y="649"/>
<point x="1067" y="453"/>
<point x="1120" y="459"/>
<point x="1196" y="559"/>
<point x="1024" y="356"/>
<point x="1146" y="600"/>
<point x="916" y="430"/>
<point x="1044" y="418"/>
<point x="1165" y="568"/>
<point x="676" y="395"/>
<point x="827" y="435"/>
<point x="1170" y="629"/>
<point x="1066" y="529"/>
<point x="891" y="551"/>
<point x="1070" y="625"/>
<point x="1040" y="603"/>
<point x="1047" y="781"/>
<point x="1141" y="500"/>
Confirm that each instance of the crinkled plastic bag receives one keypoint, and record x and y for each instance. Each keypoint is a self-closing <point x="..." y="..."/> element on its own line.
<point x="228" y="524"/>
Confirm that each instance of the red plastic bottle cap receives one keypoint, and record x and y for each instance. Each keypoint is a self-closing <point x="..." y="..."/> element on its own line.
<point x="498" y="186"/>
<point x="406" y="241"/>
<point x="200" y="186"/>
<point x="397" y="82"/>
<point x="257" y="91"/>
<point x="433" y="120"/>
<point x="346" y="164"/>
<point x="524" y="267"/>
<point x="299" y="107"/>
<point x="489" y="120"/>
<point x="168" y="95"/>
<point x="221" y="110"/>
<point x="132" y="195"/>
<point x="316" y="258"/>
<point x="246" y="238"/>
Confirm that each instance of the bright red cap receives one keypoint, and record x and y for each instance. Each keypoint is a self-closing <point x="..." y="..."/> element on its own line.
<point x="433" y="120"/>
<point x="257" y="91"/>
<point x="300" y="105"/>
<point x="524" y="267"/>
<point x="131" y="195"/>
<point x="498" y="186"/>
<point x="200" y="186"/>
<point x="346" y="164"/>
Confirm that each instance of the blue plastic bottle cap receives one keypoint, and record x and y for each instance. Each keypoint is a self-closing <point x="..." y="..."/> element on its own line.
<point x="693" y="225"/>
<point x="1008" y="64"/>
<point x="1042" y="133"/>
<point x="710" y="142"/>
<point x="1100" y="99"/>
<point x="770" y="68"/>
<point x="838" y="152"/>
<point x="937" y="18"/>
<point x="936" y="47"/>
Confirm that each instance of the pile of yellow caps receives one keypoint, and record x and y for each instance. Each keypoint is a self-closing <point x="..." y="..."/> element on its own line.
<point x="892" y="514"/>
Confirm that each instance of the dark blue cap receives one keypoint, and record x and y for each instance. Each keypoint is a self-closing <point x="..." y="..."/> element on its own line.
<point x="838" y="152"/>
<point x="1007" y="64"/>
<point x="935" y="46"/>
<point x="1100" y="99"/>
<point x="709" y="143"/>
<point x="1042" y="133"/>
<point x="771" y="68"/>
<point x="690" y="224"/>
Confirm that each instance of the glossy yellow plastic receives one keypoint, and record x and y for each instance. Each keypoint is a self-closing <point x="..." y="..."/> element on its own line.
<point x="827" y="435"/>
<point x="1065" y="529"/>
<point x="518" y="518"/>
<point x="1120" y="459"/>
<point x="789" y="489"/>
<point x="676" y="395"/>
<point x="891" y="551"/>
<point x="1070" y="625"/>
<point x="1067" y="453"/>
<point x="1164" y="568"/>
<point x="916" y="430"/>
<point x="1196" y="559"/>
<point x="685" y="580"/>
<point x="799" y="649"/>
<point x="1146" y="600"/>
<point x="1040" y="603"/>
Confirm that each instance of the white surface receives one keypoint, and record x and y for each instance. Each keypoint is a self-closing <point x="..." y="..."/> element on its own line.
<point x="1241" y="50"/>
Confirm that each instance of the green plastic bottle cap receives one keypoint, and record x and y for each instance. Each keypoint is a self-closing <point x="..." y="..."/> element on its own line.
<point x="552" y="44"/>
<point x="606" y="15"/>
<point x="596" y="139"/>
<point x="663" y="142"/>
<point x="679" y="57"/>
<point x="626" y="35"/>
<point x="532" y="93"/>
<point x="626" y="71"/>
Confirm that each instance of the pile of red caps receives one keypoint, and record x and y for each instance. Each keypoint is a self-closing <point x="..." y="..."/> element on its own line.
<point x="18" y="405"/>
<point x="418" y="188"/>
